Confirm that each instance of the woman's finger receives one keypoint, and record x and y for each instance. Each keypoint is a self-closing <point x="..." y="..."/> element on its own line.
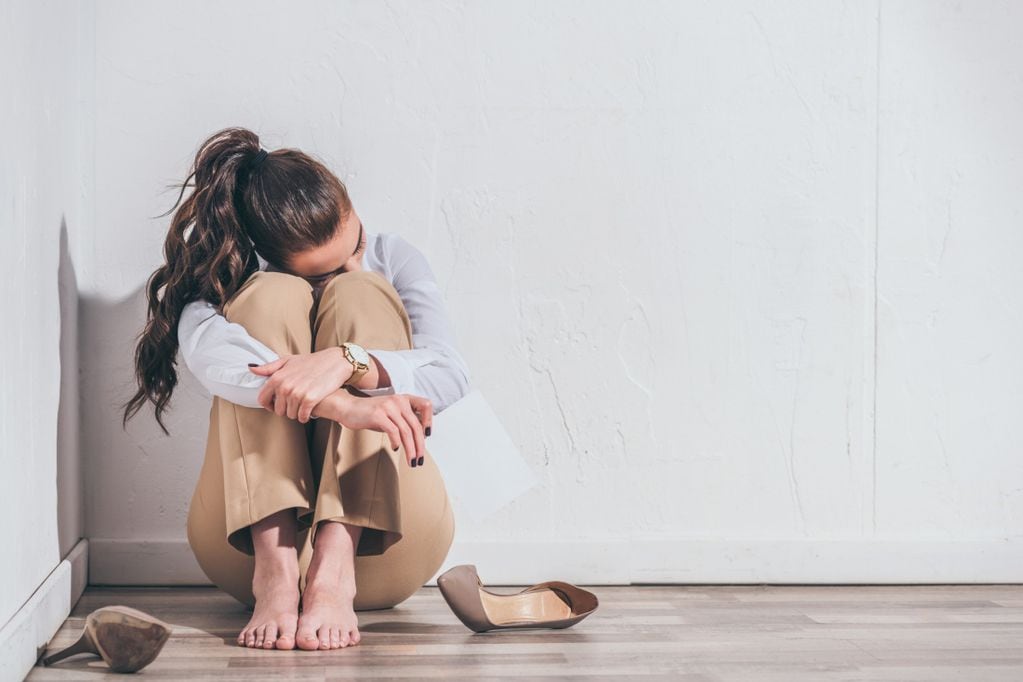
<point x="280" y="404"/>
<point x="305" y="410"/>
<point x="380" y="420"/>
<point x="407" y="439"/>
<point x="268" y="368"/>
<point x="392" y="433"/>
<point x="266" y="396"/>
<point x="417" y="433"/>
<point x="424" y="408"/>
<point x="294" y="402"/>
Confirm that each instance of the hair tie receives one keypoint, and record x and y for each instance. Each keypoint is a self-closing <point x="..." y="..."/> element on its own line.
<point x="259" y="157"/>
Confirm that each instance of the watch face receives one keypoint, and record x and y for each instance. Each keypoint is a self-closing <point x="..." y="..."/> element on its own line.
<point x="359" y="353"/>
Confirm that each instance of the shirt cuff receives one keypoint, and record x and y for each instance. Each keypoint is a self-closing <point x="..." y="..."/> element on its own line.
<point x="237" y="385"/>
<point x="400" y="372"/>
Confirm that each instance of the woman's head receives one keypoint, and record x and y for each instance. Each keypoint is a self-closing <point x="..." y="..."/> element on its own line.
<point x="287" y="208"/>
<point x="319" y="264"/>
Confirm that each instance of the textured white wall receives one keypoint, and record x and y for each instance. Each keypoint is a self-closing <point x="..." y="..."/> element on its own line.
<point x="950" y="318"/>
<point x="687" y="247"/>
<point x="44" y="76"/>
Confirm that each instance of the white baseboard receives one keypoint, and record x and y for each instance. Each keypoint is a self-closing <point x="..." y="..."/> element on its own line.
<point x="824" y="562"/>
<point x="24" y="638"/>
<point x="623" y="562"/>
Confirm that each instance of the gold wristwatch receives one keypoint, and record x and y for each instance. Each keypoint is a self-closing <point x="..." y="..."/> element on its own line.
<point x="359" y="358"/>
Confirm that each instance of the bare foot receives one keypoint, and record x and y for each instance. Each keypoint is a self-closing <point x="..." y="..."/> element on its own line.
<point x="328" y="620"/>
<point x="275" y="618"/>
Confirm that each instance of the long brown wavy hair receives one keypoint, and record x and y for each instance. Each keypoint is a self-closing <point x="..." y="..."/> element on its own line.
<point x="287" y="203"/>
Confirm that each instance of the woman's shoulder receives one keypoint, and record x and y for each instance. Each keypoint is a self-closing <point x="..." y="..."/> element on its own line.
<point x="400" y="257"/>
<point x="391" y="243"/>
<point x="393" y="248"/>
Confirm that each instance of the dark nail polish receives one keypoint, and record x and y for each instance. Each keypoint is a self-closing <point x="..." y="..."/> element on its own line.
<point x="413" y="464"/>
<point x="428" y="430"/>
<point x="395" y="448"/>
<point x="252" y="364"/>
<point x="420" y="461"/>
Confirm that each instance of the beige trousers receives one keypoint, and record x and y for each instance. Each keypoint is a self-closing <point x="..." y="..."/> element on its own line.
<point x="258" y="463"/>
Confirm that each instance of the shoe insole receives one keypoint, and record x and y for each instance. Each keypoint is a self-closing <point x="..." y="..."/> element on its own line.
<point x="531" y="607"/>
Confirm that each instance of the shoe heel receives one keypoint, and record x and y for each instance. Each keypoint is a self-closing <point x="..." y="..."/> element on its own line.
<point x="82" y="646"/>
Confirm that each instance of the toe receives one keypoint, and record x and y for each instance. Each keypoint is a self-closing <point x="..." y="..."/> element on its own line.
<point x="335" y="638"/>
<point x="344" y="636"/>
<point x="324" y="636"/>
<point x="241" y="637"/>
<point x="260" y="635"/>
<point x="271" y="635"/>
<point x="286" y="638"/>
<point x="306" y="638"/>
<point x="354" y="637"/>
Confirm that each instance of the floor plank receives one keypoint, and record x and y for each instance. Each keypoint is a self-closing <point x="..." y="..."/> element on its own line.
<point x="692" y="633"/>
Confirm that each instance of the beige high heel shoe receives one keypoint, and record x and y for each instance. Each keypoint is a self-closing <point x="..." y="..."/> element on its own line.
<point x="126" y="638"/>
<point x="551" y="604"/>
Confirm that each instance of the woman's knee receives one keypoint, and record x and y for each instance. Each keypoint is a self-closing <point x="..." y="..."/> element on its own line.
<point x="268" y="301"/>
<point x="358" y="289"/>
<point x="366" y="301"/>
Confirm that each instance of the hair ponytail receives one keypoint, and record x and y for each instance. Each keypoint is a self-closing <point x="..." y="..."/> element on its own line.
<point x="285" y="204"/>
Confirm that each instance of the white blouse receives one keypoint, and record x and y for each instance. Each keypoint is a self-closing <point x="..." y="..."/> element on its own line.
<point x="217" y="352"/>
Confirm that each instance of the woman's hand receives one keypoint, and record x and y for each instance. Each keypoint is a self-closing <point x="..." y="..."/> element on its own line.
<point x="403" y="417"/>
<point x="297" y="383"/>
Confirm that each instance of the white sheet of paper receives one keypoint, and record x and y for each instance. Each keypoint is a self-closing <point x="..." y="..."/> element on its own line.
<point x="482" y="469"/>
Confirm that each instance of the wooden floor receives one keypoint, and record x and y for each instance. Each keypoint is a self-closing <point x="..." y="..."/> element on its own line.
<point x="784" y="633"/>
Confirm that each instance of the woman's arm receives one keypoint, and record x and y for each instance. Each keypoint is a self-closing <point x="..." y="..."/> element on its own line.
<point x="434" y="368"/>
<point x="217" y="351"/>
<point x="406" y="419"/>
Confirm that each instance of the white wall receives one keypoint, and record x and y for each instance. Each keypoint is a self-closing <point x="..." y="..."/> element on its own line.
<point x="44" y="190"/>
<point x="950" y="319"/>
<point x="738" y="279"/>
